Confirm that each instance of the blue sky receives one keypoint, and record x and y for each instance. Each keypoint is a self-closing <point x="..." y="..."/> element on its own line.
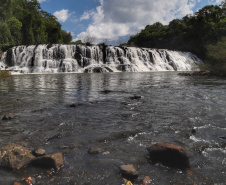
<point x="116" y="20"/>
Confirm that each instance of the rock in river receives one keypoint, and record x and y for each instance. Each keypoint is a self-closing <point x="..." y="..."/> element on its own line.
<point x="169" y="155"/>
<point x="39" y="152"/>
<point x="95" y="150"/>
<point x="8" y="116"/>
<point x="128" y="171"/>
<point x="15" y="156"/>
<point x="55" y="161"/>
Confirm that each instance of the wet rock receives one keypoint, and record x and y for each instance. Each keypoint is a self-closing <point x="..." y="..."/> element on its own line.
<point x="169" y="155"/>
<point x="76" y="105"/>
<point x="55" y="161"/>
<point x="17" y="183"/>
<point x="8" y="116"/>
<point x="224" y="137"/>
<point x="193" y="131"/>
<point x="15" y="156"/>
<point x="95" y="150"/>
<point x="124" y="103"/>
<point x="56" y="136"/>
<point x="146" y="180"/>
<point x="39" y="152"/>
<point x="128" y="171"/>
<point x="135" y="97"/>
<point x="185" y="74"/>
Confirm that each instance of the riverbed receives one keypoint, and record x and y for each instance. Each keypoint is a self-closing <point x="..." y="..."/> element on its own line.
<point x="182" y="110"/>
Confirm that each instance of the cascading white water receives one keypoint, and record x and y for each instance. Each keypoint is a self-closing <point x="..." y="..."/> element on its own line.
<point x="80" y="58"/>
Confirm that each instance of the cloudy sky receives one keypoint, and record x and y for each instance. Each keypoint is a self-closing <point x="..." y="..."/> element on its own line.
<point x="115" y="20"/>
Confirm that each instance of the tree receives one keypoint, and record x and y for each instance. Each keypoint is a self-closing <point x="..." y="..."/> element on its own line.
<point x="88" y="40"/>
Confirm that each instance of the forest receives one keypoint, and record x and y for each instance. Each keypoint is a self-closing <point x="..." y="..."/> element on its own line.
<point x="23" y="22"/>
<point x="203" y="33"/>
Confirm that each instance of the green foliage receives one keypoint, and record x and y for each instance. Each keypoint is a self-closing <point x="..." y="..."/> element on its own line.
<point x="79" y="42"/>
<point x="216" y="56"/>
<point x="202" y="33"/>
<point x="22" y="22"/>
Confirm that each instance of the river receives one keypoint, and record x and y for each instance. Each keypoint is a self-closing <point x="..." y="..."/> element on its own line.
<point x="182" y="110"/>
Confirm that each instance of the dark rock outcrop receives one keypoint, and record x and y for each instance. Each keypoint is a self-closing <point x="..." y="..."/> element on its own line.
<point x="15" y="156"/>
<point x="55" y="161"/>
<point x="169" y="155"/>
<point x="128" y="171"/>
<point x="8" y="116"/>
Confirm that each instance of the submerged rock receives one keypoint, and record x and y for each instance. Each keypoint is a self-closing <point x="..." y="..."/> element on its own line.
<point x="8" y="116"/>
<point x="95" y="150"/>
<point x="76" y="105"/>
<point x="128" y="171"/>
<point x="169" y="155"/>
<point x="135" y="97"/>
<point x="55" y="161"/>
<point x="15" y="156"/>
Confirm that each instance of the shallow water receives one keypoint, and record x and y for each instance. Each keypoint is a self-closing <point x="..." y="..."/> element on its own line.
<point x="169" y="108"/>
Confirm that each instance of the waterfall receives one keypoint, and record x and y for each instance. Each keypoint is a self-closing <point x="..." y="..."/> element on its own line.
<point x="79" y="58"/>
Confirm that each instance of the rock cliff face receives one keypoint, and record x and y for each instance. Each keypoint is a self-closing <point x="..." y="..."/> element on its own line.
<point x="89" y="59"/>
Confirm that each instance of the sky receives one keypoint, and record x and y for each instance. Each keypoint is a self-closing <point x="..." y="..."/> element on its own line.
<point x="113" y="21"/>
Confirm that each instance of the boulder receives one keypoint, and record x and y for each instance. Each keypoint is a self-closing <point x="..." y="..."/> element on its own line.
<point x="55" y="161"/>
<point x="15" y="156"/>
<point x="128" y="171"/>
<point x="8" y="116"/>
<point x="95" y="150"/>
<point x="169" y="155"/>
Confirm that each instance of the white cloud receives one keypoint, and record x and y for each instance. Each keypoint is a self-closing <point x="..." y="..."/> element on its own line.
<point x="40" y="1"/>
<point x="62" y="15"/>
<point x="87" y="15"/>
<point x="116" y="18"/>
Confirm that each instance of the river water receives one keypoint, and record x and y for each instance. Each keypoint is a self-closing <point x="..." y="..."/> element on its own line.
<point x="171" y="106"/>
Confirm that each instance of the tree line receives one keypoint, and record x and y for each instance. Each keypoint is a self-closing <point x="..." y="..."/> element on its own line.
<point x="23" y="22"/>
<point x="203" y="33"/>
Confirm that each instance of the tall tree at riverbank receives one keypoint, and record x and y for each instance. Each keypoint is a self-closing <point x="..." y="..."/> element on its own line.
<point x="22" y="22"/>
<point x="203" y="33"/>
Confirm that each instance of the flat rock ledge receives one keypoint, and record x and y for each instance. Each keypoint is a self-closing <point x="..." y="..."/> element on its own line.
<point x="128" y="171"/>
<point x="15" y="156"/>
<point x="170" y="155"/>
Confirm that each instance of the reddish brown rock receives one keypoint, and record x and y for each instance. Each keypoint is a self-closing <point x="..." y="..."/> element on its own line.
<point x="55" y="161"/>
<point x="15" y="156"/>
<point x="169" y="155"/>
<point x="17" y="183"/>
<point x="8" y="116"/>
<point x="128" y="171"/>
<point x="146" y="180"/>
